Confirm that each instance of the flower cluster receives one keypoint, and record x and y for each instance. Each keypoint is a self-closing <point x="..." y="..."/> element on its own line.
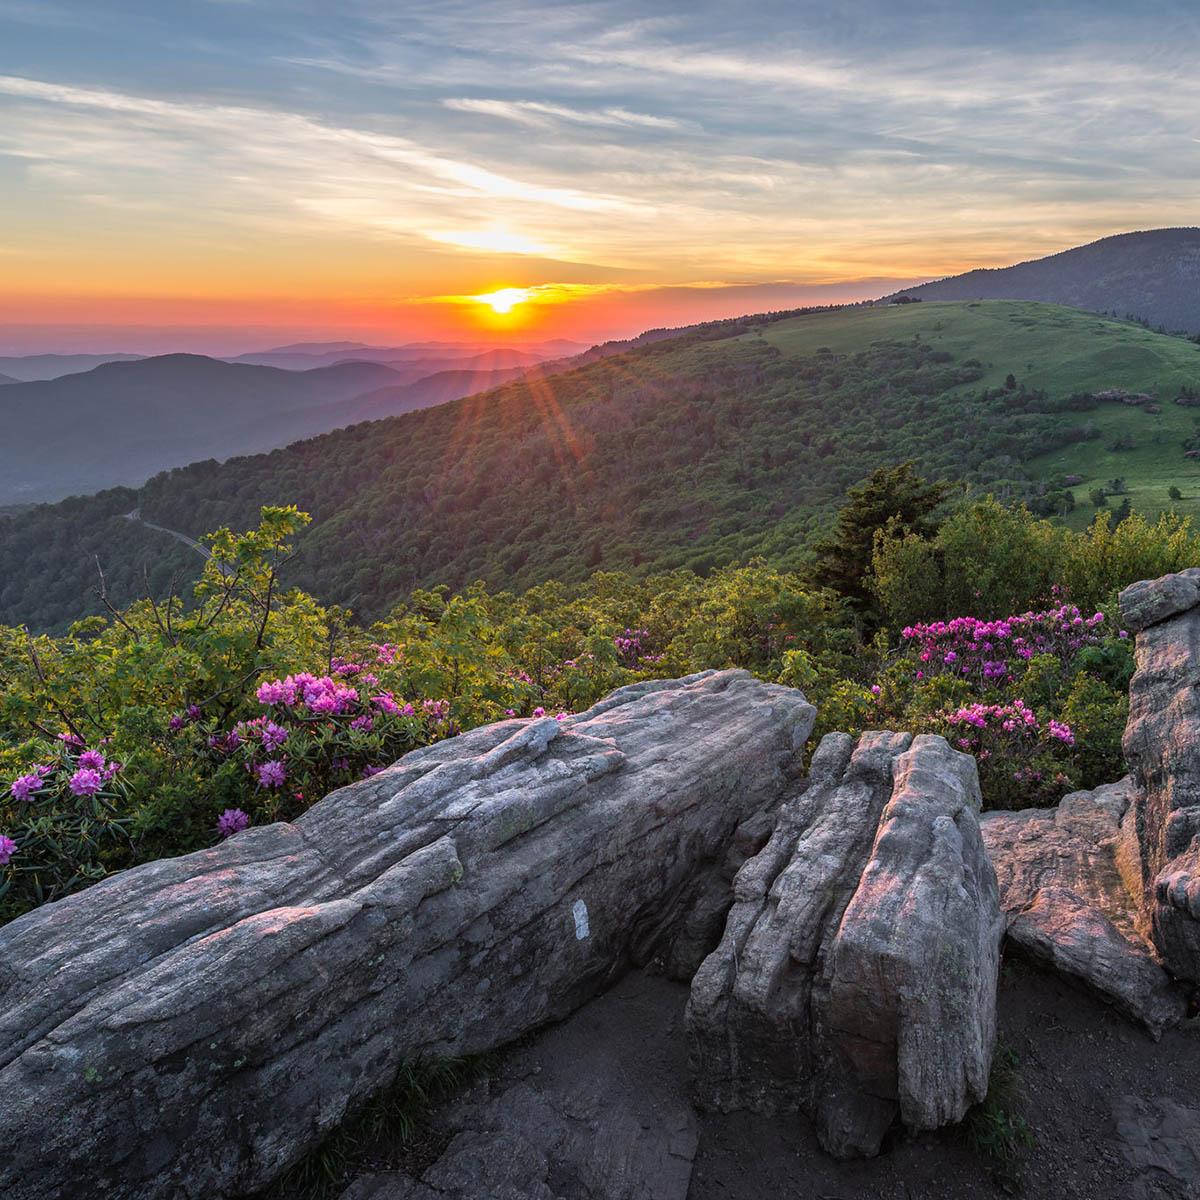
<point x="232" y="821"/>
<point x="45" y="799"/>
<point x="1016" y="717"/>
<point x="1015" y="722"/>
<point x="320" y="732"/>
<point x="319" y="695"/>
<point x="991" y="650"/>
<point x="631" y="649"/>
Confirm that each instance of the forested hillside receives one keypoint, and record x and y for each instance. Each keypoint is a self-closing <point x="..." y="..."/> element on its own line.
<point x="689" y="452"/>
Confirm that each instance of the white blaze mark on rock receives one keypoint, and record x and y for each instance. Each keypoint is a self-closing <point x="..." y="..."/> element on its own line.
<point x="580" y="913"/>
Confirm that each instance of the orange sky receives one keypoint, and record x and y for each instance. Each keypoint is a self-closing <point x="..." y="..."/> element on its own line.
<point x="228" y="173"/>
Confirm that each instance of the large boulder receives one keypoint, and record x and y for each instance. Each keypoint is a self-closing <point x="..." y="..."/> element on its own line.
<point x="856" y="980"/>
<point x="1070" y="888"/>
<point x="191" y="1027"/>
<point x="1162" y="749"/>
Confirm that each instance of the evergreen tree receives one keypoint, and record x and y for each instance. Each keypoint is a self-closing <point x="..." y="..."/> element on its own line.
<point x="890" y="497"/>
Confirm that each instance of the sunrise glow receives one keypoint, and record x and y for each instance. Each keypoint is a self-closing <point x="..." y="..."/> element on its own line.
<point x="428" y="178"/>
<point x="504" y="300"/>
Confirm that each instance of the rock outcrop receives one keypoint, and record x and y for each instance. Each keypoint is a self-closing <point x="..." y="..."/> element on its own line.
<point x="1162" y="749"/>
<point x="1106" y="887"/>
<point x="189" y="1028"/>
<point x="856" y="980"/>
<point x="1070" y="888"/>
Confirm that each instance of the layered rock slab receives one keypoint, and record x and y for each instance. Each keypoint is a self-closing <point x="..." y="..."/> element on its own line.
<point x="1161" y="749"/>
<point x="1070" y="889"/>
<point x="856" y="979"/>
<point x="191" y="1027"/>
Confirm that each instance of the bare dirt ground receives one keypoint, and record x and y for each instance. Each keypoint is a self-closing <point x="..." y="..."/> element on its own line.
<point x="1112" y="1114"/>
<point x="1080" y="1071"/>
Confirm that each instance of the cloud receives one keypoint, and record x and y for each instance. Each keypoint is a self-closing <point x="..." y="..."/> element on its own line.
<point x="533" y="112"/>
<point x="588" y="143"/>
<point x="352" y="177"/>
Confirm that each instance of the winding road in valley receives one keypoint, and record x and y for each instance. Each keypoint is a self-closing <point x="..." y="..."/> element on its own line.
<point x="200" y="549"/>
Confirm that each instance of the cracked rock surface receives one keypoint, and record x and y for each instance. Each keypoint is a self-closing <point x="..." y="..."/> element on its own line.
<point x="189" y="1028"/>
<point x="1065" y="876"/>
<point x="856" y="980"/>
<point x="1162" y="749"/>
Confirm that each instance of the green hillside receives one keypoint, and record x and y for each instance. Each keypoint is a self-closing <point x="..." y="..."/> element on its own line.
<point x="697" y="451"/>
<point x="1061" y="350"/>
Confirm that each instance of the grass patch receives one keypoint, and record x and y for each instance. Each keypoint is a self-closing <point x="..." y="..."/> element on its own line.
<point x="1062" y="350"/>
<point x="382" y="1134"/>
<point x="995" y="1129"/>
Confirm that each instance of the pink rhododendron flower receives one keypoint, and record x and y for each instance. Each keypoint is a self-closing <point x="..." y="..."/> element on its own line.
<point x="271" y="774"/>
<point x="7" y="849"/>
<point x="232" y="821"/>
<point x="24" y="787"/>
<point x="273" y="736"/>
<point x="93" y="759"/>
<point x="86" y="782"/>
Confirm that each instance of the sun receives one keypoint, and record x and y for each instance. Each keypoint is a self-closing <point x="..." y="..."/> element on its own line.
<point x="504" y="300"/>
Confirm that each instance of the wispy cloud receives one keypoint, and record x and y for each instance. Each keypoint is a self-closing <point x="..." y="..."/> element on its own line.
<point x="534" y="112"/>
<point x="590" y="144"/>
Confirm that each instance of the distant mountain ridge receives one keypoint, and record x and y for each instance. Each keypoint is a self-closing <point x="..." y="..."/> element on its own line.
<point x="121" y="422"/>
<point x="26" y="368"/>
<point x="436" y="355"/>
<point x="1153" y="275"/>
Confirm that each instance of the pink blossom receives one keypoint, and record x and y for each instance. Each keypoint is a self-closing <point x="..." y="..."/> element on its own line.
<point x="24" y="787"/>
<point x="232" y="821"/>
<point x="7" y="849"/>
<point x="273" y="736"/>
<point x="271" y="774"/>
<point x="86" y="782"/>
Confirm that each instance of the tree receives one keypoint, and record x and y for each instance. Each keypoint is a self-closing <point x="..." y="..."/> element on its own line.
<point x="1174" y="493"/>
<point x="1010" y="382"/>
<point x="892" y="498"/>
<point x="1123" y="512"/>
<point x="1099" y="497"/>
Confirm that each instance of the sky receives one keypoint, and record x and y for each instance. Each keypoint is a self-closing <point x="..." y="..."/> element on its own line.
<point x="224" y="174"/>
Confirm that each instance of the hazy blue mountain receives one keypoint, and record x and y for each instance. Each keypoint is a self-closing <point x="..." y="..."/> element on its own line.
<point x="121" y="422"/>
<point x="28" y="367"/>
<point x="436" y="356"/>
